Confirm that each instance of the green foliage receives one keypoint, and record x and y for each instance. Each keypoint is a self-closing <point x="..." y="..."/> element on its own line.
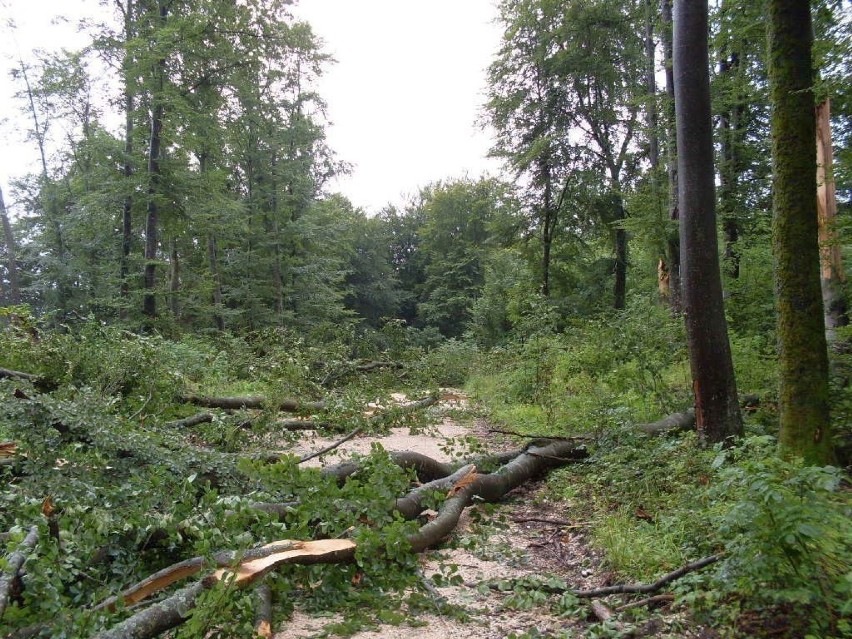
<point x="596" y="374"/>
<point x="786" y="535"/>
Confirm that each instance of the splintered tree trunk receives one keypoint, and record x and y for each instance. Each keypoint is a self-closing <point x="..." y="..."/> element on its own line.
<point x="11" y="256"/>
<point x="717" y="412"/>
<point x="803" y="356"/>
<point x="149" y="304"/>
<point x="672" y="268"/>
<point x="833" y="299"/>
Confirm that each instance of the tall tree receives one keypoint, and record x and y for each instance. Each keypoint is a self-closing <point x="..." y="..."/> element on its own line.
<point x="11" y="254"/>
<point x="564" y="95"/>
<point x="803" y="356"/>
<point x="717" y="410"/>
<point x="672" y="266"/>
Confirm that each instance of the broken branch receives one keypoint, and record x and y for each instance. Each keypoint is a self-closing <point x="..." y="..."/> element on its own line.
<point x="236" y="403"/>
<point x="13" y="566"/>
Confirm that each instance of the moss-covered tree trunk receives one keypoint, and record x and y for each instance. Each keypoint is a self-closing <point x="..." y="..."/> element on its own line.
<point x="717" y="412"/>
<point x="803" y="356"/>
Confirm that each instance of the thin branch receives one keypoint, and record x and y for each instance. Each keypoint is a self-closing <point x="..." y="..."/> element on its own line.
<point x="652" y="587"/>
<point x="648" y="601"/>
<point x="331" y="447"/>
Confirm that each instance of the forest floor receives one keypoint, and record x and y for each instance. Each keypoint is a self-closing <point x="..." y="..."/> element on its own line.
<point x="528" y="535"/>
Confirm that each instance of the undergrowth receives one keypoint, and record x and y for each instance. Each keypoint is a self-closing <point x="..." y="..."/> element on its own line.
<point x="657" y="503"/>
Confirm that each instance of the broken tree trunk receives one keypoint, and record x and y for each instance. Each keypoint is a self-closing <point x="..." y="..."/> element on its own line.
<point x="671" y="424"/>
<point x="174" y="610"/>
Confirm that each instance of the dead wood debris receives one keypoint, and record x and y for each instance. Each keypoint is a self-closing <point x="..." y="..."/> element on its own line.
<point x="14" y="563"/>
<point x="172" y="611"/>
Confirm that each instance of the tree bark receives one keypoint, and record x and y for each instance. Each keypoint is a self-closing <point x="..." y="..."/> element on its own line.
<point x="127" y="209"/>
<point x="672" y="424"/>
<point x="620" y="292"/>
<point x="149" y="304"/>
<point x="803" y="355"/>
<point x="11" y="254"/>
<point x="717" y="412"/>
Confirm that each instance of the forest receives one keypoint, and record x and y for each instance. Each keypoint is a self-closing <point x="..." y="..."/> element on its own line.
<point x="234" y="404"/>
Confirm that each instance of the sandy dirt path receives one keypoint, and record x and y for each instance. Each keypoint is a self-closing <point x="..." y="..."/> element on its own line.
<point x="502" y="546"/>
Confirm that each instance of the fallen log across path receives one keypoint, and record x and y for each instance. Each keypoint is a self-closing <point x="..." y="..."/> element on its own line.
<point x="470" y="484"/>
<point x="236" y="403"/>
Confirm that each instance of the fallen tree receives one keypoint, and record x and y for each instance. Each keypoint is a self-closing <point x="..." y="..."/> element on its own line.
<point x="5" y="373"/>
<point x="237" y="403"/>
<point x="671" y="424"/>
<point x="466" y="485"/>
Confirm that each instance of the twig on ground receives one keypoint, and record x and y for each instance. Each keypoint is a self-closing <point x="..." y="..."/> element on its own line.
<point x="652" y="587"/>
<point x="647" y="601"/>
<point x="141" y="408"/>
<point x="555" y="522"/>
<point x="331" y="447"/>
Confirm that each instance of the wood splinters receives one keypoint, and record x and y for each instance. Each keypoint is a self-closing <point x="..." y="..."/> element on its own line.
<point x="464" y="482"/>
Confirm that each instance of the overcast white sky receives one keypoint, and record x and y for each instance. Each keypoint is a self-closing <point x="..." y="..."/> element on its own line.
<point x="403" y="97"/>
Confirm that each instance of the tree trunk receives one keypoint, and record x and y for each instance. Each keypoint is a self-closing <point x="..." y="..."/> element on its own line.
<point x="149" y="305"/>
<point x="803" y="356"/>
<point x="213" y="257"/>
<point x="833" y="299"/>
<point x="127" y="210"/>
<point x="717" y="412"/>
<point x="174" y="279"/>
<point x="673" y="241"/>
<point x="11" y="254"/>
<point x="730" y="123"/>
<point x="620" y="292"/>
<point x="546" y="228"/>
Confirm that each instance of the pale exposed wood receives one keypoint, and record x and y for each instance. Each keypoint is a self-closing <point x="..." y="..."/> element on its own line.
<point x="250" y="571"/>
<point x="830" y="258"/>
<point x="181" y="570"/>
